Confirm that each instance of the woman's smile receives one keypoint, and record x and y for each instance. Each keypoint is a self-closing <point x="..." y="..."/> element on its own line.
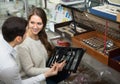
<point x="35" y="24"/>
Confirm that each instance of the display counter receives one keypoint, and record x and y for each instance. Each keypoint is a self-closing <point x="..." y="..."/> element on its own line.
<point x="91" y="70"/>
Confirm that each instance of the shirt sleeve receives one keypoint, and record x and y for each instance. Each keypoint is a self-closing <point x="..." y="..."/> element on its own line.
<point x="34" y="80"/>
<point x="12" y="76"/>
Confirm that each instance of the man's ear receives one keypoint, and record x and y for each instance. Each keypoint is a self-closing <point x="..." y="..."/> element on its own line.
<point x="18" y="39"/>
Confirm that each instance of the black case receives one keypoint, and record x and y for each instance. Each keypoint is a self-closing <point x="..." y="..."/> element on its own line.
<point x="72" y="56"/>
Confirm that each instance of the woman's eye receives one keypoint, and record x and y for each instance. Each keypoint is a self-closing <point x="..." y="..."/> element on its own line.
<point x="32" y="22"/>
<point x="39" y="23"/>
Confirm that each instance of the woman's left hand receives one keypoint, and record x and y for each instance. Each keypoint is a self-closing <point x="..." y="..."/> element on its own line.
<point x="61" y="65"/>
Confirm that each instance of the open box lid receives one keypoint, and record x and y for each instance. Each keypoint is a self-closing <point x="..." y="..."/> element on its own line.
<point x="71" y="2"/>
<point x="93" y="21"/>
<point x="77" y="15"/>
<point x="114" y="2"/>
<point x="109" y="10"/>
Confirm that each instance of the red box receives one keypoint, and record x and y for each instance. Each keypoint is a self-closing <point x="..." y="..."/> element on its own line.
<point x="114" y="59"/>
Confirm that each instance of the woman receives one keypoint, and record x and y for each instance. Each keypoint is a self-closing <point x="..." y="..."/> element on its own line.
<point x="36" y="49"/>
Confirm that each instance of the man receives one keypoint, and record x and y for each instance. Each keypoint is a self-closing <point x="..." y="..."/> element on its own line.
<point x="13" y="33"/>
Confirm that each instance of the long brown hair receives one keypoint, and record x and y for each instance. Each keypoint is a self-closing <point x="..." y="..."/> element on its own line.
<point x="42" y="34"/>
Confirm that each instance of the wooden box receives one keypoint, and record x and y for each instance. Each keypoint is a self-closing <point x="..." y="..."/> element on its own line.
<point x="97" y="53"/>
<point x="75" y="26"/>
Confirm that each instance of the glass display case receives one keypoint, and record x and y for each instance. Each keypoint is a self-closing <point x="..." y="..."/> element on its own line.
<point x="29" y="4"/>
<point x="106" y="30"/>
<point x="108" y="9"/>
<point x="10" y="7"/>
<point x="14" y="7"/>
<point x="18" y="8"/>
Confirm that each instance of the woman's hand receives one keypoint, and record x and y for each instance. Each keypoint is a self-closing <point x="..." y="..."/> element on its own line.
<point x="52" y="71"/>
<point x="61" y="65"/>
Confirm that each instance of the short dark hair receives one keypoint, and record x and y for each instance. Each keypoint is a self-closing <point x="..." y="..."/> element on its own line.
<point x="13" y="27"/>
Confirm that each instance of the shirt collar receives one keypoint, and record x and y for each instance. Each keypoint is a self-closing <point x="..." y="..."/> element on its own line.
<point x="8" y="47"/>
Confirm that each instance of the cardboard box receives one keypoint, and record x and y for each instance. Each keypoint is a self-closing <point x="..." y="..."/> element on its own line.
<point x="114" y="59"/>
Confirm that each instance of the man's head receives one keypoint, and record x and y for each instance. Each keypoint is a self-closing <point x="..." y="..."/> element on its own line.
<point x="13" y="27"/>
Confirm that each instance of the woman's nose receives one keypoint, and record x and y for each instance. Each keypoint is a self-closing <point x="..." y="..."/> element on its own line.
<point x="35" y="25"/>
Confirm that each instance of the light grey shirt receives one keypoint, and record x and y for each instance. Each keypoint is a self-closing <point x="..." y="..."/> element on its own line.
<point x="9" y="71"/>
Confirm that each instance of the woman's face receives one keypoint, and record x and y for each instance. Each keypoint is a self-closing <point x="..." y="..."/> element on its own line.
<point x="35" y="24"/>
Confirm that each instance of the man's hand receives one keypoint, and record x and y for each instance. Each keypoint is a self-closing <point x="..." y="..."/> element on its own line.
<point x="52" y="71"/>
<point x="61" y="65"/>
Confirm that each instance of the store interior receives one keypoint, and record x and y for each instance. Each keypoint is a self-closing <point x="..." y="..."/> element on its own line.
<point x="95" y="28"/>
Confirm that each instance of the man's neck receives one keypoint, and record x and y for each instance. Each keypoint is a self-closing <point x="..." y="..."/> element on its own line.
<point x="12" y="44"/>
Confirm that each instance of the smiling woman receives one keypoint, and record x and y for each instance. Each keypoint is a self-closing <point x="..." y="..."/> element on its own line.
<point x="35" y="26"/>
<point x="36" y="49"/>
